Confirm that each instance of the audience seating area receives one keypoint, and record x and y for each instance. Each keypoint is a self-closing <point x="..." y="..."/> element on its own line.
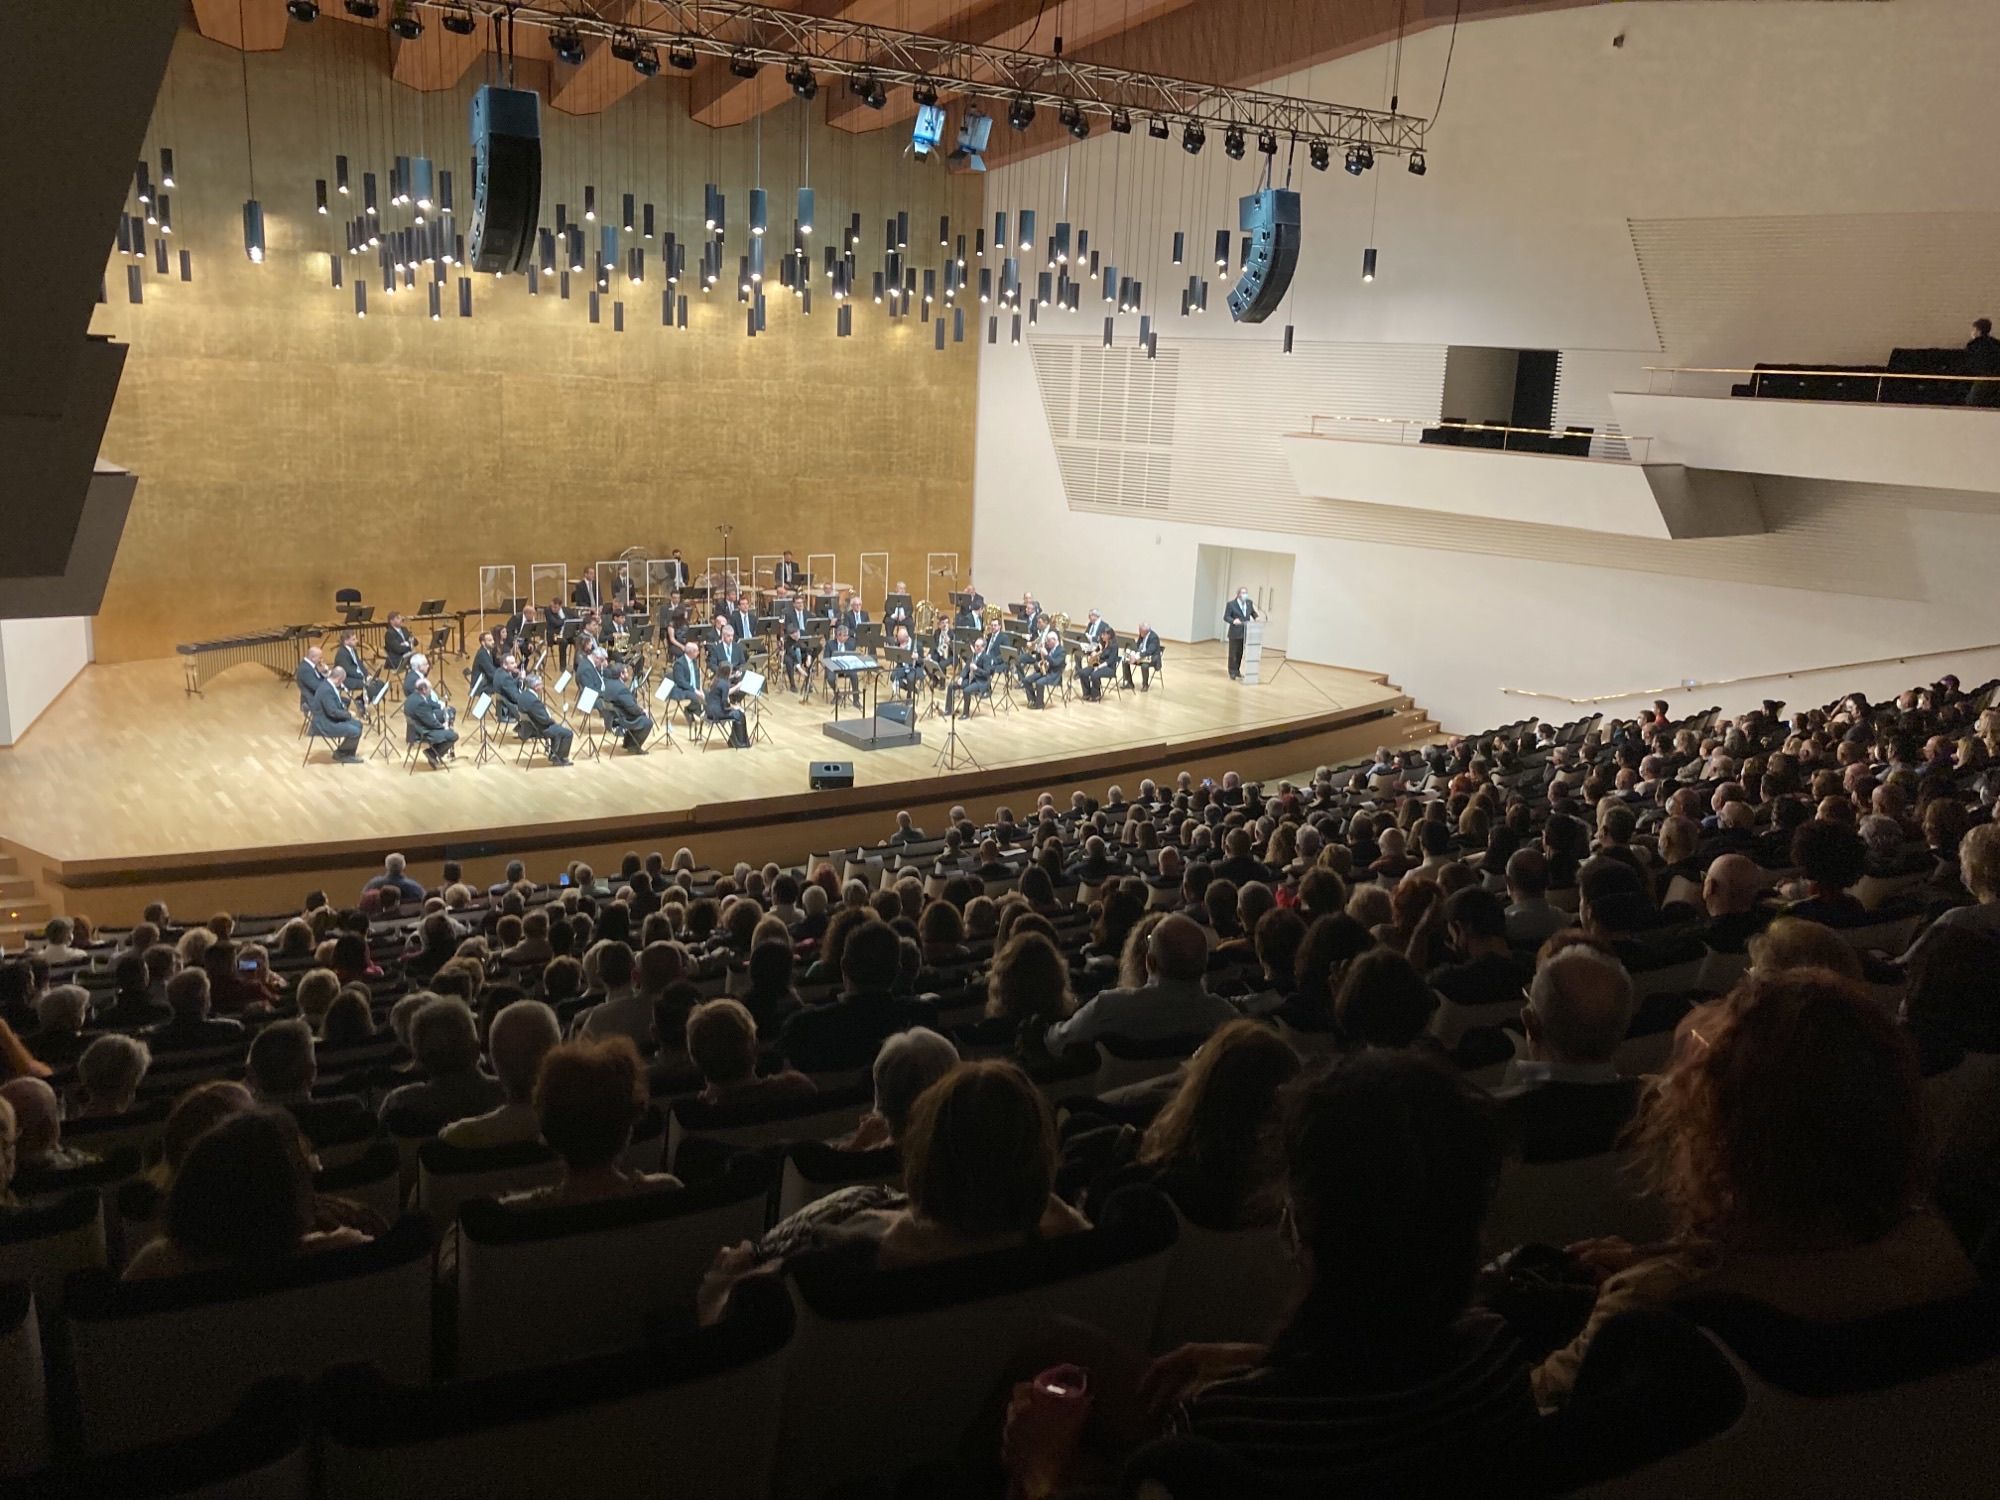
<point x="501" y="1314"/>
<point x="1862" y="383"/>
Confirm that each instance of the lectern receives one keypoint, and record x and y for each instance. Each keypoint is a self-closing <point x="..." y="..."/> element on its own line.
<point x="1253" y="649"/>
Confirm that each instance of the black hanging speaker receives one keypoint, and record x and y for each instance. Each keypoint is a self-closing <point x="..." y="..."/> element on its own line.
<point x="828" y="775"/>
<point x="1270" y="223"/>
<point x="506" y="177"/>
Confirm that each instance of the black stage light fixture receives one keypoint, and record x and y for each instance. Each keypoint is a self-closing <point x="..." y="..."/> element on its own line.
<point x="1121" y="122"/>
<point x="303" y="10"/>
<point x="924" y="93"/>
<point x="1320" y="155"/>
<point x="363" y="10"/>
<point x="1353" y="162"/>
<point x="1365" y="155"/>
<point x="1232" y="142"/>
<point x="406" y="26"/>
<point x="1157" y="128"/>
<point x="624" y="45"/>
<point x="799" y="75"/>
<point x="567" y="44"/>
<point x="1267" y="142"/>
<point x="742" y="64"/>
<point x="1193" y="138"/>
<point x="680" y="55"/>
<point x="1418" y="166"/>
<point x="646" y="62"/>
<point x="1021" y="113"/>
<point x="877" y="96"/>
<point x="1074" y="121"/>
<point x="460" y="21"/>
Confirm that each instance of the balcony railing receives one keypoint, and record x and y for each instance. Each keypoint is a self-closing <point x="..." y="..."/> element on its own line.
<point x="1543" y="442"/>
<point x="1885" y="387"/>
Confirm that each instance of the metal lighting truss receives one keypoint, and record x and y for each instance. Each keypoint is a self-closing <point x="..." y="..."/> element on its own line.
<point x="838" y="48"/>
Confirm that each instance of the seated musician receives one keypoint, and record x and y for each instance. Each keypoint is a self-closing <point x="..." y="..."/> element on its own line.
<point x="621" y="709"/>
<point x="798" y="647"/>
<point x="842" y="644"/>
<point x="348" y="658"/>
<point x="685" y="674"/>
<point x="899" y="613"/>
<point x="1094" y="625"/>
<point x="310" y="672"/>
<point x="515" y="632"/>
<point x="613" y="621"/>
<point x="967" y="617"/>
<point x="975" y="678"/>
<point x="486" y="663"/>
<point x="718" y="709"/>
<point x="909" y="673"/>
<point x="1100" y="664"/>
<point x="1146" y="652"/>
<point x="726" y="654"/>
<point x="590" y="670"/>
<point x="532" y="717"/>
<point x="332" y="719"/>
<point x="428" y="722"/>
<point x="398" y="645"/>
<point x="554" y="617"/>
<point x="826" y="605"/>
<point x="939" y="655"/>
<point x="671" y="620"/>
<point x="1046" y="671"/>
<point x="851" y="614"/>
<point x="739" y="617"/>
<point x="678" y="576"/>
<point x="416" y="670"/>
<point x="789" y="574"/>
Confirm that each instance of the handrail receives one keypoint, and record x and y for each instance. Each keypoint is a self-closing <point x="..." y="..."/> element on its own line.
<point x="1406" y="425"/>
<point x="1885" y="394"/>
<point x="1689" y="685"/>
<point x="1802" y="370"/>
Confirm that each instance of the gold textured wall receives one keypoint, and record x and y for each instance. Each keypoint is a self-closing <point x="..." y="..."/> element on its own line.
<point x="287" y="448"/>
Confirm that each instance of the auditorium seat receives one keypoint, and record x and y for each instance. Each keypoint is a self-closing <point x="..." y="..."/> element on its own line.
<point x="1225" y="1286"/>
<point x="1559" y="1203"/>
<point x="1903" y="1403"/>
<point x="43" y="1244"/>
<point x="450" y="1176"/>
<point x="814" y="1169"/>
<point x="694" y="1414"/>
<point x="817" y="1117"/>
<point x="373" y="1179"/>
<point x="24" y="1397"/>
<point x="159" y="1359"/>
<point x="1122" y="1061"/>
<point x="538" y="1285"/>
<point x="888" y="1368"/>
<point x="261" y="1450"/>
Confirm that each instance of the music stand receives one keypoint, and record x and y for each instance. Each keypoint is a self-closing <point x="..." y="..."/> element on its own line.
<point x="481" y="704"/>
<point x="954" y="754"/>
<point x="430" y="608"/>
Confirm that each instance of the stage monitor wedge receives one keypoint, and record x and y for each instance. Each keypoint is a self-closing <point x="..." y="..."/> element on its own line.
<point x="506" y="177"/>
<point x="1270" y="220"/>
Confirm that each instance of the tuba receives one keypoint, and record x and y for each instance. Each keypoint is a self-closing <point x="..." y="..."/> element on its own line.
<point x="990" y="616"/>
<point x="924" y="618"/>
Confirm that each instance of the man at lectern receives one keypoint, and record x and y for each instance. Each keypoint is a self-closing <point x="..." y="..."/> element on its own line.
<point x="1237" y="614"/>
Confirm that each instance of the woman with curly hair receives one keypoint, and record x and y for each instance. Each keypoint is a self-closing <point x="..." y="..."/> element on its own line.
<point x="1787" y="1142"/>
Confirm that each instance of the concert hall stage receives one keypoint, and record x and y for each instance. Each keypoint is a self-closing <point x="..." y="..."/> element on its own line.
<point x="127" y="786"/>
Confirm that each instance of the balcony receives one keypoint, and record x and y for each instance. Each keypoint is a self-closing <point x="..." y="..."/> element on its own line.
<point x="1575" y="478"/>
<point x="1853" y="426"/>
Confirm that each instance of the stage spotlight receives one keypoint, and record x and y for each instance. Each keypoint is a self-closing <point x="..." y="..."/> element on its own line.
<point x="1319" y="155"/>
<point x="1366" y="156"/>
<point x="363" y="10"/>
<point x="1074" y="121"/>
<point x="1121" y="122"/>
<point x="1157" y="128"/>
<point x="460" y="21"/>
<point x="1418" y="166"/>
<point x="647" y="63"/>
<point x="1267" y="142"/>
<point x="680" y="55"/>
<point x="1353" y="162"/>
<point x="1232" y="142"/>
<point x="624" y="45"/>
<point x="924" y="92"/>
<point x="406" y="26"/>
<point x="1193" y="138"/>
<point x="866" y="87"/>
<point x="742" y="64"/>
<point x="303" y="10"/>
<point x="798" y="75"/>
<point x="567" y="44"/>
<point x="1021" y="113"/>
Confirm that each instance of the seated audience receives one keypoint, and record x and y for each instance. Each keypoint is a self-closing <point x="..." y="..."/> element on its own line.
<point x="60" y="1016"/>
<point x="722" y="1042"/>
<point x="845" y="1033"/>
<point x="1173" y="1002"/>
<point x="192" y="1026"/>
<point x="1563" y="1097"/>
<point x="445" y="1039"/>
<point x="109" y="1074"/>
<point x="772" y="998"/>
<point x="522" y="1034"/>
<point x="1832" y="859"/>
<point x="1481" y="984"/>
<point x="1793" y="943"/>
<point x="588" y="1098"/>
<point x="281" y="1070"/>
<point x="1382" y="1002"/>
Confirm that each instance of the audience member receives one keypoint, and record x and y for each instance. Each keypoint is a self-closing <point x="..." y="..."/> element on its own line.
<point x="588" y="1098"/>
<point x="445" y="1040"/>
<point x="722" y="1042"/>
<point x="522" y="1034"/>
<point x="1174" y="1001"/>
<point x="1563" y="1097"/>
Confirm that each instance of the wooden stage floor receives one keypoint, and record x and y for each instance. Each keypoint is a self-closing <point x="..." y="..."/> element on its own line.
<point x="126" y="767"/>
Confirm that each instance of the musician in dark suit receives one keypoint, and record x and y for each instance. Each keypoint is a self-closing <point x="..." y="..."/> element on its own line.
<point x="416" y="670"/>
<point x="583" y="593"/>
<point x="852" y="616"/>
<point x="347" y="657"/>
<point x="975" y="678"/>
<point x="676" y="569"/>
<point x="590" y="671"/>
<point x="533" y="719"/>
<point x="1046" y="672"/>
<point x="554" y="617"/>
<point x="967" y="617"/>
<point x="333" y="719"/>
<point x="1146" y="652"/>
<point x="1236" y="614"/>
<point x="621" y="710"/>
<point x="792" y="634"/>
<point x="842" y="644"/>
<point x="485" y="663"/>
<point x="1101" y="663"/>
<point x="428" y="722"/>
<point x="310" y="673"/>
<point x="907" y="674"/>
<point x="789" y="574"/>
<point x="514" y="634"/>
<point x="716" y="707"/>
<point x="937" y="654"/>
<point x="739" y="618"/>
<point x="898" y="613"/>
<point x="726" y="655"/>
<point x="685" y="674"/>
<point x="398" y="645"/>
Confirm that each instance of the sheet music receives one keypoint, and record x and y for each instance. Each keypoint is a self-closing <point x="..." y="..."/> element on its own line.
<point x="480" y="704"/>
<point x="381" y="688"/>
<point x="562" y="682"/>
<point x="665" y="687"/>
<point x="586" y="700"/>
<point x="751" y="684"/>
<point x="849" y="663"/>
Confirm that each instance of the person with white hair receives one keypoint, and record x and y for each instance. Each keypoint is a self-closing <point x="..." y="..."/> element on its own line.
<point x="40" y="1158"/>
<point x="445" y="1039"/>
<point x="60" y="1016"/>
<point x="109" y="1073"/>
<point x="395" y="872"/>
<point x="1564" y="1096"/>
<point x="521" y="1035"/>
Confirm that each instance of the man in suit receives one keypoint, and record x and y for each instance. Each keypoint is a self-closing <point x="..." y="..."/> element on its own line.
<point x="725" y="653"/>
<point x="907" y="674"/>
<point x="485" y="663"/>
<point x="718" y="709"/>
<point x="792" y="632"/>
<point x="333" y="719"/>
<point x="1102" y="662"/>
<point x="842" y="644"/>
<point x="1093" y="626"/>
<point x="533" y="719"/>
<point x="685" y="674"/>
<point x="789" y="572"/>
<point x="309" y="673"/>
<point x="851" y="615"/>
<point x="416" y="670"/>
<point x="677" y="572"/>
<point x="1050" y="672"/>
<point x="898" y="613"/>
<point x="347" y="657"/>
<point x="590" y="671"/>
<point x="622" y="712"/>
<point x="1236" y="614"/>
<point x="1146" y="651"/>
<point x="967" y="617"/>
<point x="429" y="722"/>
<point x="740" y="618"/>
<point x="554" y="618"/>
<point x="1565" y="1099"/>
<point x="398" y="645"/>
<point x="583" y="593"/>
<point x="515" y="632"/>
<point x="975" y="678"/>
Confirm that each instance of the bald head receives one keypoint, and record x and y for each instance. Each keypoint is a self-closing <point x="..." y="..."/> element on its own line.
<point x="1731" y="885"/>
<point x="37" y="1118"/>
<point x="1178" y="950"/>
<point x="1579" y="1005"/>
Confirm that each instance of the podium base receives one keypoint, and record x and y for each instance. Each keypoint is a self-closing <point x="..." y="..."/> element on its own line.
<point x="871" y="734"/>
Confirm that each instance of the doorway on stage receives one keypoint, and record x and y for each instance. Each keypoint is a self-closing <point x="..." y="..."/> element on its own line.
<point x="1220" y="571"/>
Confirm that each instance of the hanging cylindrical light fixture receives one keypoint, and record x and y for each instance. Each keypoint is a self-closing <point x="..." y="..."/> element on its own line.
<point x="760" y="208"/>
<point x="1027" y="217"/>
<point x="166" y="206"/>
<point x="1017" y="328"/>
<point x="437" y="301"/>
<point x="319" y="195"/>
<point x="253" y="230"/>
<point x="1180" y="245"/>
<point x="629" y="218"/>
<point x="1368" y="264"/>
<point x="589" y="203"/>
<point x="646" y="221"/>
<point x="360" y="298"/>
<point x="805" y="214"/>
<point x="167" y="168"/>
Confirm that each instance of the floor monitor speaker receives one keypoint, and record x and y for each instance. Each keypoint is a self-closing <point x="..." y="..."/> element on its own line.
<point x="829" y="775"/>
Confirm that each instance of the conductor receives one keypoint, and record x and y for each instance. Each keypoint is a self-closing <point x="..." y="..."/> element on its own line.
<point x="1237" y="614"/>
